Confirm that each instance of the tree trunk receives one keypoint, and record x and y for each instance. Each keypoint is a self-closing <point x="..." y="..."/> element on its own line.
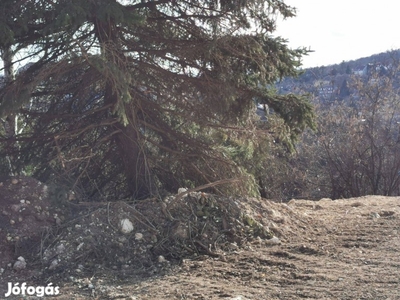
<point x="10" y="122"/>
<point x="128" y="141"/>
<point x="134" y="161"/>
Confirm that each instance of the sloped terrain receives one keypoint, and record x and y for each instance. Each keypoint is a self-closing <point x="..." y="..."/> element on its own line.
<point x="205" y="247"/>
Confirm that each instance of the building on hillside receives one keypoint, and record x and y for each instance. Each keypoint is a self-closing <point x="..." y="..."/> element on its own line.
<point x="372" y="69"/>
<point x="335" y="89"/>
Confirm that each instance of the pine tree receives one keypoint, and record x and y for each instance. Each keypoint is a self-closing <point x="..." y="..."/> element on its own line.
<point x="129" y="97"/>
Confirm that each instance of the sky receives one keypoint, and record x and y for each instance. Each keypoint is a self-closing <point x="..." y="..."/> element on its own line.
<point x="342" y="30"/>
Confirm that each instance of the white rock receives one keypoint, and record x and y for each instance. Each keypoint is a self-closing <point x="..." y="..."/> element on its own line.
<point x="273" y="241"/>
<point x="126" y="226"/>
<point x="45" y="191"/>
<point x="80" y="246"/>
<point x="138" y="236"/>
<point x="161" y="259"/>
<point x="53" y="264"/>
<point x="20" y="264"/>
<point x="14" y="181"/>
<point x="60" y="249"/>
<point x="182" y="190"/>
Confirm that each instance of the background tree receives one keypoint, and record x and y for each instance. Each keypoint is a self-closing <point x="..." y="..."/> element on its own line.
<point x="130" y="98"/>
<point x="356" y="149"/>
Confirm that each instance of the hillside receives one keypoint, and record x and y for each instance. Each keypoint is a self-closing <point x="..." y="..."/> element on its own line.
<point x="332" y="83"/>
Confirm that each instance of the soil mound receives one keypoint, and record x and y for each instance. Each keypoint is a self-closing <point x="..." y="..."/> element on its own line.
<point x="57" y="239"/>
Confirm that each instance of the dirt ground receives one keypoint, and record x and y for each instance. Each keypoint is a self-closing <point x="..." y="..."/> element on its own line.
<point x="342" y="249"/>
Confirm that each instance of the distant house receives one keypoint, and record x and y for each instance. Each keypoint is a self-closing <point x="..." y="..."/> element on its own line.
<point x="326" y="90"/>
<point x="334" y="89"/>
<point x="359" y="72"/>
<point x="372" y="68"/>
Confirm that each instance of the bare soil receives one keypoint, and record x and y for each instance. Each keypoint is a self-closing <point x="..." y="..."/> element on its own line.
<point x="342" y="249"/>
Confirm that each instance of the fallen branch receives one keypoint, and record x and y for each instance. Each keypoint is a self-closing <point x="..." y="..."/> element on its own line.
<point x="202" y="187"/>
